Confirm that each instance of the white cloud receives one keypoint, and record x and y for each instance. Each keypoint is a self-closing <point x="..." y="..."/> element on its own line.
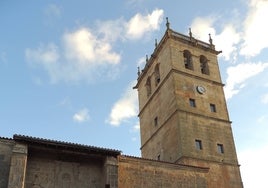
<point x="141" y="62"/>
<point x="139" y="24"/>
<point x="111" y="30"/>
<point x="65" y="102"/>
<point x="124" y="108"/>
<point x="136" y="127"/>
<point x="228" y="47"/>
<point x="254" y="166"/>
<point x="88" y="54"/>
<point x="201" y="27"/>
<point x="255" y="29"/>
<point x="87" y="49"/>
<point x="238" y="74"/>
<point x="81" y="116"/>
<point x="83" y="53"/>
<point x="44" y="54"/>
<point x="250" y="39"/>
<point x="263" y="119"/>
<point x="264" y="99"/>
<point x="53" y="10"/>
<point x="37" y="81"/>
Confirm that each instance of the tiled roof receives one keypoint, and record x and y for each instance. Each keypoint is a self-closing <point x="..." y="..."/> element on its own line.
<point x="67" y="145"/>
<point x="5" y="138"/>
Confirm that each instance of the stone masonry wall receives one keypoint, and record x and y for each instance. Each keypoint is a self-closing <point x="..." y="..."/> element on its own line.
<point x="18" y="166"/>
<point x="6" y="146"/>
<point x="50" y="173"/>
<point x="143" y="173"/>
<point x="220" y="174"/>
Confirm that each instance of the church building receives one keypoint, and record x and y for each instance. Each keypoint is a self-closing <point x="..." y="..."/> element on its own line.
<point x="186" y="134"/>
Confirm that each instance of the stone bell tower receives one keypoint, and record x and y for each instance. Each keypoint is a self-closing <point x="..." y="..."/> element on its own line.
<point x="182" y="109"/>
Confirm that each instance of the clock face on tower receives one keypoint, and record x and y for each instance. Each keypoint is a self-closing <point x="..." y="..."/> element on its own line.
<point x="201" y="89"/>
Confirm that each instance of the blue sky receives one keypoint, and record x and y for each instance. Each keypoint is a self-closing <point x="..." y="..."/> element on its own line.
<point x="67" y="69"/>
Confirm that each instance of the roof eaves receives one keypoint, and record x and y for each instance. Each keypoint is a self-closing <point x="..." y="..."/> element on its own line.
<point x="69" y="145"/>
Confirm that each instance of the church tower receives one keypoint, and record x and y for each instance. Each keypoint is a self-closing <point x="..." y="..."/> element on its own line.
<point x="182" y="109"/>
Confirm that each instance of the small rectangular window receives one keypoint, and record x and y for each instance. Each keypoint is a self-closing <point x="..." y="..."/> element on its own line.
<point x="158" y="157"/>
<point x="198" y="144"/>
<point x="212" y="107"/>
<point x="155" y="121"/>
<point x="220" y="148"/>
<point x="192" y="102"/>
